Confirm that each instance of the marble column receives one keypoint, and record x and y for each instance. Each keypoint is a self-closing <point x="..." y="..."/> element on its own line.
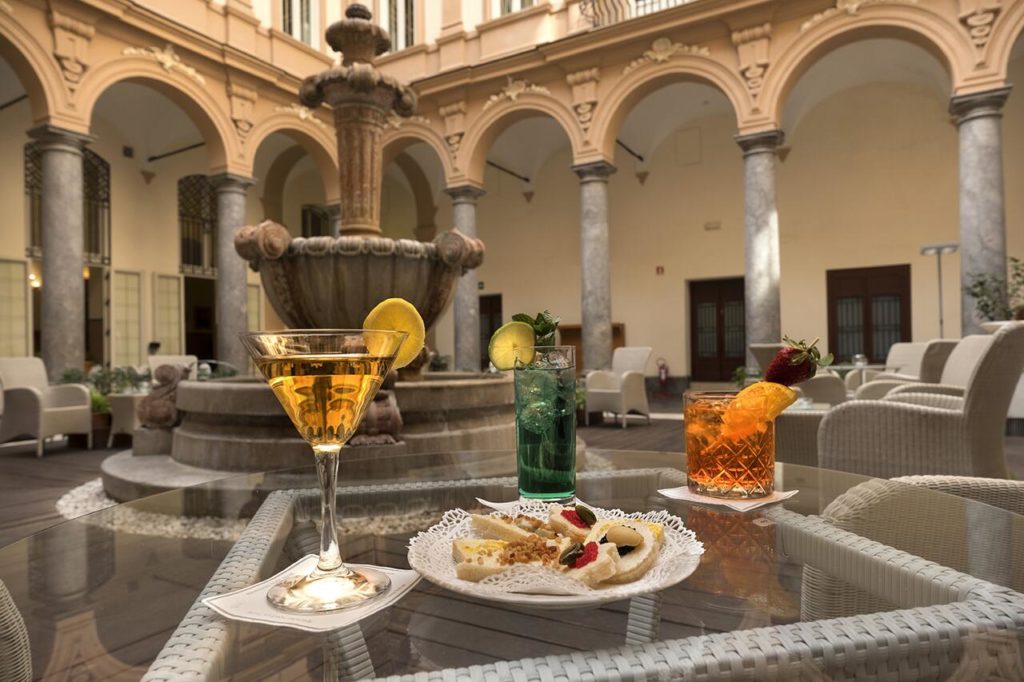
<point x="62" y="320"/>
<point x="762" y="315"/>
<point x="467" y="296"/>
<point x="982" y="215"/>
<point x="595" y="265"/>
<point x="231" y="293"/>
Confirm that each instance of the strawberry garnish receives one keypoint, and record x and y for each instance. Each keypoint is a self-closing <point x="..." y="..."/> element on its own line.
<point x="589" y="554"/>
<point x="796" y="363"/>
<point x="573" y="517"/>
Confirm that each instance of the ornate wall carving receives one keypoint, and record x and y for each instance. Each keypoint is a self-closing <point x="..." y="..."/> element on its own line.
<point x="454" y="116"/>
<point x="662" y="50"/>
<point x="752" y="49"/>
<point x="978" y="17"/>
<point x="393" y="120"/>
<point x="302" y="113"/>
<point x="71" y="38"/>
<point x="584" y="95"/>
<point x="242" y="101"/>
<point x="512" y="90"/>
<point x="167" y="58"/>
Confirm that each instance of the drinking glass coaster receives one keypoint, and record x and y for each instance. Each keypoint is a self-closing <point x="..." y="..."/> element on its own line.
<point x="685" y="494"/>
<point x="250" y="605"/>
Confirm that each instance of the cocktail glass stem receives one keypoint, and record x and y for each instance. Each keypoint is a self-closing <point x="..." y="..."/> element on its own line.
<point x="327" y="473"/>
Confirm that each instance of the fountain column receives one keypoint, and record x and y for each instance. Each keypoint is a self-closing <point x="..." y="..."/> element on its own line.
<point x="231" y="293"/>
<point x="467" y="296"/>
<point x="982" y="213"/>
<point x="763" y="318"/>
<point x="63" y="313"/>
<point x="595" y="265"/>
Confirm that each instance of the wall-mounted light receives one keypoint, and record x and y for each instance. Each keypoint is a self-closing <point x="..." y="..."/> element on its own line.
<point x="34" y="281"/>
<point x="939" y="250"/>
<point x="85" y="272"/>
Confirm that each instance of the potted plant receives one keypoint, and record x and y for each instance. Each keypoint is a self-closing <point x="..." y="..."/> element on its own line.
<point x="100" y="418"/>
<point x="989" y="300"/>
<point x="100" y="382"/>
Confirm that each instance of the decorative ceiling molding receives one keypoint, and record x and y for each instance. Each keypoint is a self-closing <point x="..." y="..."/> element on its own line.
<point x="850" y="8"/>
<point x="71" y="39"/>
<point x="393" y="120"/>
<point x="512" y="90"/>
<point x="662" y="50"/>
<point x="978" y="18"/>
<point x="302" y="113"/>
<point x="752" y="50"/>
<point x="584" y="95"/>
<point x="167" y="58"/>
<point x="243" y="101"/>
<point x="454" y="116"/>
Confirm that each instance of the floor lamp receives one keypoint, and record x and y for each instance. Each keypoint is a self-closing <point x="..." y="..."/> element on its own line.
<point x="940" y="250"/>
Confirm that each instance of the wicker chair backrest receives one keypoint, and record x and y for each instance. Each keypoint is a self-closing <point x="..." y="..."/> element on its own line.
<point x="15" y="654"/>
<point x="933" y="362"/>
<point x="23" y="372"/>
<point x="905" y="358"/>
<point x="965" y="357"/>
<point x="630" y="359"/>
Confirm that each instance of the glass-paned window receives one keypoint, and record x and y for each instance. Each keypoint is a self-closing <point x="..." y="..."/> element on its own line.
<point x="886" y="320"/>
<point x="316" y="221"/>
<point x="735" y="332"/>
<point x="197" y="219"/>
<point x="299" y="20"/>
<point x="254" y="307"/>
<point x="850" y="327"/>
<point x="707" y="330"/>
<point x="95" y="205"/>
<point x="503" y="7"/>
<point x="398" y="17"/>
<point x="13" y="309"/>
<point x="127" y="320"/>
<point x="167" y="313"/>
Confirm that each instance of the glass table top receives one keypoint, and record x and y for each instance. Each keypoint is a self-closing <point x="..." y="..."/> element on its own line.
<point x="102" y="594"/>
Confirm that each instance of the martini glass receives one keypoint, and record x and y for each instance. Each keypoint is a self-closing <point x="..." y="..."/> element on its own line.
<point x="325" y="379"/>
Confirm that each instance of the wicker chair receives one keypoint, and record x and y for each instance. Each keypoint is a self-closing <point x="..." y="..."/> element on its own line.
<point x="35" y="409"/>
<point x="15" y="654"/>
<point x="944" y="362"/>
<point x="930" y="428"/>
<point x="939" y="533"/>
<point x="621" y="390"/>
<point x="824" y="387"/>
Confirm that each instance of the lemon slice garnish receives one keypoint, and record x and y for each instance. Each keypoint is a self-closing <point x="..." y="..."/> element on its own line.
<point x="397" y="314"/>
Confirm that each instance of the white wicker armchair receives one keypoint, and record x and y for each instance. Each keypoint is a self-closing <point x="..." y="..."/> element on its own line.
<point x="15" y="654"/>
<point x="944" y="361"/>
<point x="621" y="390"/>
<point x="930" y="428"/>
<point x="35" y="409"/>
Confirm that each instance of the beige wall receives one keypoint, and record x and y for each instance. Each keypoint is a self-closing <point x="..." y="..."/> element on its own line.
<point x="871" y="176"/>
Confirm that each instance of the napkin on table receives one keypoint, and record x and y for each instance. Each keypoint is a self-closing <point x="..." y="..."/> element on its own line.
<point x="740" y="505"/>
<point x="250" y="604"/>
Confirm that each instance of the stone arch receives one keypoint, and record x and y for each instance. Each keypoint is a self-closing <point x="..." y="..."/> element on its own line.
<point x="195" y="100"/>
<point x="496" y="119"/>
<point x="629" y="91"/>
<point x="36" y="70"/>
<point x="1008" y="30"/>
<point x="316" y="139"/>
<point x="423" y="197"/>
<point x="411" y="132"/>
<point x="274" y="181"/>
<point x="832" y="29"/>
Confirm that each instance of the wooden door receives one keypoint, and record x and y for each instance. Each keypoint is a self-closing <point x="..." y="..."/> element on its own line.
<point x="490" y="320"/>
<point x="718" y="338"/>
<point x="868" y="311"/>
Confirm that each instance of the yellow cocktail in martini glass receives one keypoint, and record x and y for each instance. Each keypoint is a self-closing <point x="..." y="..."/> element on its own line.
<point x="325" y="380"/>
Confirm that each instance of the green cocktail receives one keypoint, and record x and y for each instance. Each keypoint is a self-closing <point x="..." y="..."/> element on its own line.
<point x="546" y="424"/>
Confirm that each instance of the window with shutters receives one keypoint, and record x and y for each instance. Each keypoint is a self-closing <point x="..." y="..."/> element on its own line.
<point x="197" y="219"/>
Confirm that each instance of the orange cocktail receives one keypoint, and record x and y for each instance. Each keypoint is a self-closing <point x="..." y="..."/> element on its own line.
<point x="730" y="448"/>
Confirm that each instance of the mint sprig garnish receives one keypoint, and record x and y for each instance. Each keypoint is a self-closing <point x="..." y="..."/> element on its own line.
<point x="544" y="326"/>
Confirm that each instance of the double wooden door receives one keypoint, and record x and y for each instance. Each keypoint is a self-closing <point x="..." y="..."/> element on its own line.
<point x="868" y="311"/>
<point x="718" y="337"/>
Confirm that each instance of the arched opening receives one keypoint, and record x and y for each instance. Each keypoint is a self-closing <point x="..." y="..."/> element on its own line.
<point x="680" y="177"/>
<point x="413" y="191"/>
<point x="868" y="178"/>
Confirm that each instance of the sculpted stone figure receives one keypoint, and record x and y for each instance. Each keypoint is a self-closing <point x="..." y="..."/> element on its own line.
<point x="157" y="410"/>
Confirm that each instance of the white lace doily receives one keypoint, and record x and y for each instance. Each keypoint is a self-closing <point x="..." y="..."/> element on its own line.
<point x="430" y="553"/>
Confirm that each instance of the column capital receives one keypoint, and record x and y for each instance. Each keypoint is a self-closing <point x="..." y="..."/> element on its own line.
<point x="51" y="137"/>
<point x="229" y="182"/>
<point x="978" y="104"/>
<point x="465" y="194"/>
<point x="766" y="142"/>
<point x="598" y="171"/>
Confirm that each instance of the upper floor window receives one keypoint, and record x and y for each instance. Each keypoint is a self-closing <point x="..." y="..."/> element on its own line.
<point x="299" y="19"/>
<point x="197" y="219"/>
<point x="399" y="18"/>
<point x="500" y="8"/>
<point x="95" y="204"/>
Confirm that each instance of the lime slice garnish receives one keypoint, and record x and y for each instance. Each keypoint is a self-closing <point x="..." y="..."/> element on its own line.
<point x="397" y="314"/>
<point x="512" y="342"/>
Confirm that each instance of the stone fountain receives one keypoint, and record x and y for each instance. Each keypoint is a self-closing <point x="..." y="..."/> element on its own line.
<point x="237" y="425"/>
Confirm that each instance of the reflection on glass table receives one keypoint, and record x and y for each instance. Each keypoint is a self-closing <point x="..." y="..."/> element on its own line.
<point x="114" y="593"/>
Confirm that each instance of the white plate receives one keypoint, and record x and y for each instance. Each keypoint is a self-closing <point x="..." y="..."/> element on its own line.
<point x="430" y="553"/>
